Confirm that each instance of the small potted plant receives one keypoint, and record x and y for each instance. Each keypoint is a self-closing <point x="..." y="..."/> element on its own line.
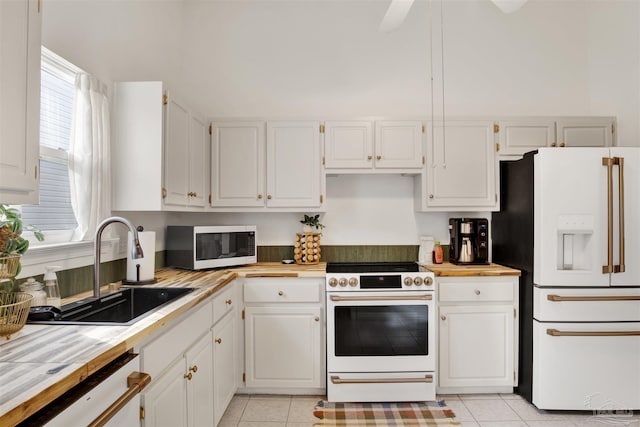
<point x="12" y="244"/>
<point x="311" y="223"/>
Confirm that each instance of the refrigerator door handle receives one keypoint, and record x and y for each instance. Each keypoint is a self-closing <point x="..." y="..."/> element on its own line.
<point x="620" y="162"/>
<point x="558" y="333"/>
<point x="608" y="162"/>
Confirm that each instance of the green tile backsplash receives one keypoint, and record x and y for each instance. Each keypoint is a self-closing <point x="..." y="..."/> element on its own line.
<point x="78" y="280"/>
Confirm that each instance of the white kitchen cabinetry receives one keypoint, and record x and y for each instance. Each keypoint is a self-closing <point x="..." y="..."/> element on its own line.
<point x="20" y="39"/>
<point x="477" y="334"/>
<point x="350" y="146"/>
<point x="194" y="365"/>
<point x="284" y="337"/>
<point x="274" y="164"/>
<point x="461" y="171"/>
<point x="158" y="150"/>
<point x="225" y="350"/>
<point x="520" y="135"/>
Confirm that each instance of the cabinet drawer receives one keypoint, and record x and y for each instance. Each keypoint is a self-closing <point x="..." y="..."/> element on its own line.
<point x="475" y="291"/>
<point x="224" y="302"/>
<point x="159" y="353"/>
<point x="278" y="289"/>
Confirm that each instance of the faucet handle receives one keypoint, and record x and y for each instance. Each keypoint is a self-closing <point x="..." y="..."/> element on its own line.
<point x="140" y="228"/>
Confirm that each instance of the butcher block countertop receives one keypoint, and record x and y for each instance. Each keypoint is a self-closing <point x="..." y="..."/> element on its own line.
<point x="41" y="362"/>
<point x="452" y="270"/>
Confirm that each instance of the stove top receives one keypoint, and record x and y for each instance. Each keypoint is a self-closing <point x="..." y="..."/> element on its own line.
<point x="372" y="267"/>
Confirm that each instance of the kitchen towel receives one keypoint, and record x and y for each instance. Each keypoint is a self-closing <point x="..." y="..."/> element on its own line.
<point x="147" y="263"/>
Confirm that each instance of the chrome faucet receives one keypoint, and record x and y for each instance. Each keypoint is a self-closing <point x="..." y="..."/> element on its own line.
<point x="136" y="249"/>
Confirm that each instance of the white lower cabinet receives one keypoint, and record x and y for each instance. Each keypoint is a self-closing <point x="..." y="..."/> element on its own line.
<point x="477" y="334"/>
<point x="183" y="395"/>
<point x="225" y="378"/>
<point x="284" y="337"/>
<point x="193" y="365"/>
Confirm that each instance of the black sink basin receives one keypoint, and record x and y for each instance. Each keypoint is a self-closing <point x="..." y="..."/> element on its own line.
<point x="124" y="307"/>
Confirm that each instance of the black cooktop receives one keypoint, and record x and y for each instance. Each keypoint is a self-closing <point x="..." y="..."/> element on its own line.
<point x="372" y="267"/>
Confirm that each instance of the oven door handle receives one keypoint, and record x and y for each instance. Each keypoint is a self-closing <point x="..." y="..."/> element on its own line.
<point x="337" y="380"/>
<point x="338" y="298"/>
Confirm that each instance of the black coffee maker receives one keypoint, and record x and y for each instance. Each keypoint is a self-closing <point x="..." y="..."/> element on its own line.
<point x="469" y="241"/>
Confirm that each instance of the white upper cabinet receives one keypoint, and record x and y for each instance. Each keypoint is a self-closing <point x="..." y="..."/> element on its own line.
<point x="520" y="135"/>
<point x="293" y="164"/>
<point x="275" y="164"/>
<point x="384" y="146"/>
<point x="159" y="150"/>
<point x="237" y="164"/>
<point x="461" y="168"/>
<point x="399" y="145"/>
<point x="20" y="39"/>
<point x="348" y="144"/>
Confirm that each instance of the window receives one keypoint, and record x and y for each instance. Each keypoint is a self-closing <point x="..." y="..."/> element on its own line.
<point x="54" y="214"/>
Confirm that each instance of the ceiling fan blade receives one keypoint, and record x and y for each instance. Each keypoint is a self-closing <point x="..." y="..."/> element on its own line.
<point x="509" y="6"/>
<point x="398" y="10"/>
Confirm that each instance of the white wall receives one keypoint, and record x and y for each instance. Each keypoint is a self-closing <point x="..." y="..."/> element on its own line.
<point x="325" y="59"/>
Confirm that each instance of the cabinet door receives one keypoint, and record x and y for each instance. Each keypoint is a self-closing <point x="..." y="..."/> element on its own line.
<point x="293" y="164"/>
<point x="198" y="136"/>
<point x="199" y="359"/>
<point x="165" y="401"/>
<point x="476" y="346"/>
<point x="461" y="165"/>
<point x="225" y="379"/>
<point x="348" y="144"/>
<point x="282" y="346"/>
<point x="585" y="132"/>
<point x="399" y="145"/>
<point x="176" y="152"/>
<point x="20" y="29"/>
<point x="237" y="164"/>
<point x="520" y="136"/>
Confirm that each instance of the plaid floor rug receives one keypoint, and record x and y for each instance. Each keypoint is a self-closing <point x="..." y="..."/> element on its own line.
<point x="413" y="414"/>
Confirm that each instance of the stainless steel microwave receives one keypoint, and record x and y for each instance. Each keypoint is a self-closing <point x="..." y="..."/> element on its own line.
<point x="199" y="247"/>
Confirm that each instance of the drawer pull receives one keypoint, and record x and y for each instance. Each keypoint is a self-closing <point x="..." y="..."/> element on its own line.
<point x="219" y="340"/>
<point x="136" y="382"/>
<point x="559" y="298"/>
<point x="188" y="376"/>
<point x="477" y="291"/>
<point x="317" y="318"/>
<point x="194" y="368"/>
<point x="228" y="302"/>
<point x="443" y="317"/>
<point x="280" y="293"/>
<point x="557" y="333"/>
<point x="383" y="298"/>
<point x="337" y="380"/>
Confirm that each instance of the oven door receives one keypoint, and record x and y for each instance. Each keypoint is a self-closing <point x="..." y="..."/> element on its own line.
<point x="380" y="332"/>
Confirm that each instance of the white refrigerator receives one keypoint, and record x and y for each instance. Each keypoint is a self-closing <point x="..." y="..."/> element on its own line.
<point x="570" y="220"/>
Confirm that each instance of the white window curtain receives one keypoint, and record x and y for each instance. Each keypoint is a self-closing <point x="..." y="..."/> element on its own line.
<point x="89" y="156"/>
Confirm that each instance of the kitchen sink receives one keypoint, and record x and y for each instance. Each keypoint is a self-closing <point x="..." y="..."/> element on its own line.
<point x="123" y="307"/>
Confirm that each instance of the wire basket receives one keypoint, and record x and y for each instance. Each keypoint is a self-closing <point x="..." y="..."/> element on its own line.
<point x="9" y="265"/>
<point x="14" y="309"/>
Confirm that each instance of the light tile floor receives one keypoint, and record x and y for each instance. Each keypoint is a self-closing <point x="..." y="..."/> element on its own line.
<point x="481" y="410"/>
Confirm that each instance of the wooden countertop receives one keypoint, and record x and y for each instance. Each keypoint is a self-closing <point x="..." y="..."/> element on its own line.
<point x="41" y="362"/>
<point x="452" y="270"/>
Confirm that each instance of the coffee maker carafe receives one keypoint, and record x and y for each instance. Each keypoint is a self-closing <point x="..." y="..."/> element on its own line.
<point x="469" y="240"/>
